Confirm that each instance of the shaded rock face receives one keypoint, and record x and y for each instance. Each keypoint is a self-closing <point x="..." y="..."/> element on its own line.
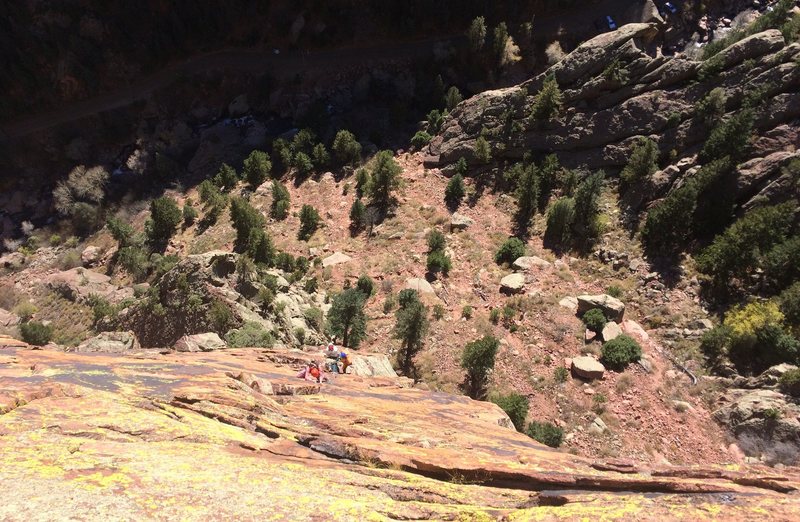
<point x="186" y="293"/>
<point x="765" y="424"/>
<point x="356" y="439"/>
<point x="654" y="96"/>
<point x="110" y="342"/>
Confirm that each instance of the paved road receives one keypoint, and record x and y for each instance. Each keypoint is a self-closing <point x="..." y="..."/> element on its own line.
<point x="286" y="65"/>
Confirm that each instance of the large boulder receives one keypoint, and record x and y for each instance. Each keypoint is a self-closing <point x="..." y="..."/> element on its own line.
<point x="79" y="284"/>
<point x="8" y="319"/>
<point x="110" y="342"/>
<point x="512" y="283"/>
<point x="460" y="222"/>
<point x="420" y="285"/>
<point x="611" y="331"/>
<point x="372" y="366"/>
<point x="336" y="258"/>
<point x="91" y="256"/>
<point x="204" y="342"/>
<point x="588" y="367"/>
<point x="569" y="302"/>
<point x="612" y="307"/>
<point x="527" y="262"/>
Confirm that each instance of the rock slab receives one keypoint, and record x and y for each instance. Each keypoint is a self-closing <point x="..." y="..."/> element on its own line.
<point x="110" y="342"/>
<point x="204" y="342"/>
<point x="337" y="258"/>
<point x="588" y="368"/>
<point x="512" y="283"/>
<point x="528" y="262"/>
<point x="612" y="307"/>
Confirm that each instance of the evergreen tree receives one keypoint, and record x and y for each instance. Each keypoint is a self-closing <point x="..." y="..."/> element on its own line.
<point x="478" y="359"/>
<point x="357" y="216"/>
<point x="384" y="181"/>
<point x="165" y="216"/>
<point x="410" y="328"/>
<point x="244" y="219"/>
<point x="226" y="177"/>
<point x="477" y="34"/>
<point x="257" y="168"/>
<point x="346" y="318"/>
<point x="309" y="222"/>
<point x="454" y="192"/>
<point x="527" y="197"/>
<point x="642" y="162"/>
<point x="346" y="148"/>
<point x="280" y="201"/>
<point x="547" y="104"/>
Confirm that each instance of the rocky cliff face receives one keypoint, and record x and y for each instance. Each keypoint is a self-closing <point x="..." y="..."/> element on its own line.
<point x="617" y="88"/>
<point x="235" y="435"/>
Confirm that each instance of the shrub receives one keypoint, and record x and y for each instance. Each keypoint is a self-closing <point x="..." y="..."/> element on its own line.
<point x="665" y="229"/>
<point x="560" y="216"/>
<point x="245" y="219"/>
<point x="83" y="185"/>
<point x="365" y="285"/>
<point x="70" y="259"/>
<point x="250" y="335"/>
<point x="437" y="262"/>
<point x="314" y="318"/>
<point x="362" y="182"/>
<point x="346" y="318"/>
<point x="219" y="316"/>
<point x="385" y="179"/>
<point x="135" y="261"/>
<point x="435" y="120"/>
<point x="527" y="196"/>
<point x="729" y="138"/>
<point x="121" y="231"/>
<point x="284" y="261"/>
<point x="790" y="306"/>
<point x="642" y="162"/>
<point x="300" y="334"/>
<point x="260" y="247"/>
<point x="226" y="178"/>
<point x="716" y="342"/>
<point x="712" y="107"/>
<point x="25" y="311"/>
<point x="547" y="177"/>
<point x="311" y="285"/>
<point x="189" y="215"/>
<point x="346" y="148"/>
<point x="789" y="382"/>
<point x="309" y="222"/>
<point x="482" y="150"/>
<point x="257" y="168"/>
<point x="548" y="102"/>
<point x="389" y="304"/>
<point x="494" y="315"/>
<point x="515" y="406"/>
<point x="452" y="98"/>
<point x="466" y="312"/>
<point x="280" y="201"/>
<point x="614" y="291"/>
<point x="454" y="192"/>
<point x="357" y="215"/>
<point x="420" y="139"/>
<point x="36" y="333"/>
<point x="320" y="157"/>
<point x="620" y="351"/>
<point x="585" y="225"/>
<point x="594" y="320"/>
<point x="476" y="34"/>
<point x="546" y="433"/>
<point x="560" y="374"/>
<point x="165" y="216"/>
<point x="781" y="265"/>
<point x="411" y="327"/>
<point x="478" y="359"/>
<point x="436" y="241"/>
<point x="509" y="251"/>
<point x="438" y="311"/>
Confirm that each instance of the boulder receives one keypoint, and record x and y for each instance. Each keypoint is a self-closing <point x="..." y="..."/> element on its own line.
<point x="460" y="222"/>
<point x="635" y="330"/>
<point x="110" y="342"/>
<point x="588" y="367"/>
<point x="420" y="285"/>
<point x="569" y="302"/>
<point x="204" y="342"/>
<point x="258" y="384"/>
<point x="79" y="284"/>
<point x="8" y="319"/>
<point x="597" y="427"/>
<point x="337" y="258"/>
<point x="589" y="336"/>
<point x="612" y="307"/>
<point x="611" y="331"/>
<point x="528" y="262"/>
<point x="512" y="283"/>
<point x="90" y="256"/>
<point x="372" y="366"/>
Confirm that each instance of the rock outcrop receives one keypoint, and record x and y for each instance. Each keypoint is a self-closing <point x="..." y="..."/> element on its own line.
<point x="204" y="342"/>
<point x="199" y="436"/>
<point x="612" y="307"/>
<point x="588" y="367"/>
<point x="528" y="262"/>
<point x="110" y="342"/>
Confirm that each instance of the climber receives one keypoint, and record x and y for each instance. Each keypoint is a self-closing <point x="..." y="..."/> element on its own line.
<point x="331" y="356"/>
<point x="312" y="373"/>
<point x="345" y="360"/>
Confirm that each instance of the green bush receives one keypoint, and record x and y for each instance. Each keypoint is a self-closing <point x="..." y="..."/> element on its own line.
<point x="411" y="328"/>
<point x="515" y="406"/>
<point x="284" y="261"/>
<point x="546" y="433"/>
<point x="560" y="374"/>
<point x="189" y="215"/>
<point x="420" y="139"/>
<point x="790" y="306"/>
<point x="494" y="315"/>
<point x="320" y="157"/>
<point x="729" y="138"/>
<point x="478" y="359"/>
<point x="620" y="351"/>
<point x="585" y="226"/>
<point x="454" y="192"/>
<point x="548" y="102"/>
<point x="257" y="168"/>
<point x="476" y="34"/>
<point x="594" y="320"/>
<point x="134" y="259"/>
<point x="280" y="201"/>
<point x="482" y="151"/>
<point x="121" y="231"/>
<point x="365" y="285"/>
<point x="643" y="162"/>
<point x="302" y="164"/>
<point x="226" y="178"/>
<point x="438" y="312"/>
<point x="435" y="120"/>
<point x="715" y="343"/>
<point x="309" y="222"/>
<point x="36" y="333"/>
<point x="509" y="251"/>
<point x="362" y="182"/>
<point x="260" y="247"/>
<point x="437" y="262"/>
<point x="346" y="148"/>
<point x="346" y="318"/>
<point x="781" y="266"/>
<point x="245" y="219"/>
<point x="527" y="194"/>
<point x="665" y="229"/>
<point x="614" y="291"/>
<point x="385" y="179"/>
<point x="452" y="98"/>
<point x="712" y="107"/>
<point x="219" y="316"/>
<point x="25" y="310"/>
<point x="250" y="335"/>
<point x="560" y="216"/>
<point x="165" y="216"/>
<point x="789" y="382"/>
<point x="358" y="215"/>
<point x="466" y="312"/>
